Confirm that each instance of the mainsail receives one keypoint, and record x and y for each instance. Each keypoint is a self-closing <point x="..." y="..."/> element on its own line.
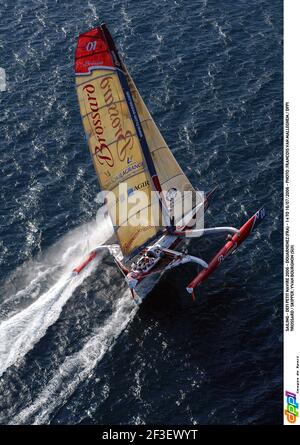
<point x="124" y="142"/>
<point x="169" y="172"/>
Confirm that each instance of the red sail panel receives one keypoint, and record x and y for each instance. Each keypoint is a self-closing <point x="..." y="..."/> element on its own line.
<point x="92" y="50"/>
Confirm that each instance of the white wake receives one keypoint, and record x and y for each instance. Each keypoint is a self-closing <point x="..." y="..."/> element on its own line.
<point x="77" y="367"/>
<point x="21" y="331"/>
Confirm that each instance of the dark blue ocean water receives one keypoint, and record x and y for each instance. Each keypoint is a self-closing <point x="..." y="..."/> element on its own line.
<point x="81" y="351"/>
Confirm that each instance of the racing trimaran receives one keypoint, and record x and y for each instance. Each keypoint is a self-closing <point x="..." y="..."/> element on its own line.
<point x="127" y="147"/>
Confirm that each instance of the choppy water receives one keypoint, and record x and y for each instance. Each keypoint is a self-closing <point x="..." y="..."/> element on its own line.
<point x="79" y="351"/>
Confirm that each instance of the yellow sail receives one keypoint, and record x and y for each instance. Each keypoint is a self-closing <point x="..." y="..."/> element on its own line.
<point x="169" y="172"/>
<point x="113" y="138"/>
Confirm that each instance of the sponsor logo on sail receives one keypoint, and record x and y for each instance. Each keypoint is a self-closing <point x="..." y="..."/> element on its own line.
<point x="102" y="151"/>
<point x="128" y="244"/>
<point x="123" y="174"/>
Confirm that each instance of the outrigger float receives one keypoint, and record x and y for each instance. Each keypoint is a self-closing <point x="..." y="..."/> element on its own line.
<point x="127" y="147"/>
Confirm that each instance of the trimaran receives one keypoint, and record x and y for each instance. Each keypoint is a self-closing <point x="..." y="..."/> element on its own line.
<point x="127" y="147"/>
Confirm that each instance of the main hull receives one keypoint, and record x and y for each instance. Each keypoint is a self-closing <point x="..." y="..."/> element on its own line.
<point x="145" y="286"/>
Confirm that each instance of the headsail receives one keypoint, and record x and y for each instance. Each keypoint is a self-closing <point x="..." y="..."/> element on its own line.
<point x="116" y="140"/>
<point x="169" y="172"/>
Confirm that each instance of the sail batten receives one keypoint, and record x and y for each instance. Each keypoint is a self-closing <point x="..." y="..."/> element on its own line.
<point x="106" y="106"/>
